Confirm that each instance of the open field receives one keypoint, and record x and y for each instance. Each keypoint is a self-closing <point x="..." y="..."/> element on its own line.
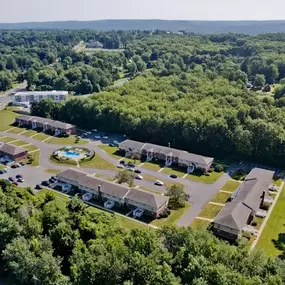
<point x="230" y="186"/>
<point x="6" y="119"/>
<point x="221" y="197"/>
<point x="210" y="211"/>
<point x="66" y="141"/>
<point x="213" y="177"/>
<point x="173" y="218"/>
<point x="198" y="224"/>
<point x="272" y="239"/>
<point x="111" y="150"/>
<point x="173" y="170"/>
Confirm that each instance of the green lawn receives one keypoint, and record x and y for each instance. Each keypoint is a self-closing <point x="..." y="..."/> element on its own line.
<point x="149" y="190"/>
<point x="173" y="218"/>
<point x="6" y="119"/>
<point x="273" y="235"/>
<point x="259" y="222"/>
<point x="41" y="137"/>
<point x="52" y="171"/>
<point x="277" y="182"/>
<point x="125" y="222"/>
<point x="35" y="155"/>
<point x="29" y="133"/>
<point x="230" y="186"/>
<point x="16" y="130"/>
<point x="213" y="177"/>
<point x="66" y="141"/>
<point x="98" y="162"/>
<point x="221" y="197"/>
<point x="111" y="150"/>
<point x="2" y="166"/>
<point x="108" y="178"/>
<point x="198" y="224"/>
<point x="19" y="143"/>
<point x="152" y="165"/>
<point x="173" y="170"/>
<point x="210" y="211"/>
<point x="30" y="147"/>
<point x="7" y="139"/>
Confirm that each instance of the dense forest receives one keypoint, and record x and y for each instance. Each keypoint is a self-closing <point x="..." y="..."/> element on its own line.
<point x="192" y="91"/>
<point x="199" y="27"/>
<point x="49" y="241"/>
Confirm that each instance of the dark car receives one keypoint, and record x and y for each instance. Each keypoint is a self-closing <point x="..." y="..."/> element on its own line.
<point x="11" y="179"/>
<point x="51" y="180"/>
<point x="39" y="186"/>
<point x="2" y="172"/>
<point x="22" y="163"/>
<point x="45" y="183"/>
<point x="122" y="162"/>
<point x="111" y="144"/>
<point x="131" y="164"/>
<point x="14" y="166"/>
<point x="54" y="178"/>
<point x="138" y="171"/>
<point x="19" y="176"/>
<point x="173" y="176"/>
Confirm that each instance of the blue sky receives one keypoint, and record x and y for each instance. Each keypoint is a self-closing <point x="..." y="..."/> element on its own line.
<point x="62" y="10"/>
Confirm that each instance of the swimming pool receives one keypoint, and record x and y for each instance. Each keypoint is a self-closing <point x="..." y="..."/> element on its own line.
<point x="70" y="154"/>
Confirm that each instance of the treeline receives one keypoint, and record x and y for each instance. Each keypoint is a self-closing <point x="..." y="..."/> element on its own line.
<point x="49" y="241"/>
<point x="193" y="112"/>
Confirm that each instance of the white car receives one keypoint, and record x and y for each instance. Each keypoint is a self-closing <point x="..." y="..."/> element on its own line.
<point x="97" y="137"/>
<point x="105" y="137"/>
<point x="158" y="182"/>
<point x="89" y="133"/>
<point x="120" y="166"/>
<point x="139" y="177"/>
<point x="94" y="130"/>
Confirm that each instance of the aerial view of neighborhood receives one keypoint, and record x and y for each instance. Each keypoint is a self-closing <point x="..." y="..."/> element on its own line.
<point x="142" y="152"/>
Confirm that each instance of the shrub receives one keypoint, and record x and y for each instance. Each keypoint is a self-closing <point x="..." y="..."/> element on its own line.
<point x="254" y="223"/>
<point x="219" y="168"/>
<point x="265" y="206"/>
<point x="211" y="170"/>
<point x="206" y="173"/>
<point x="246" y="235"/>
<point x="165" y="214"/>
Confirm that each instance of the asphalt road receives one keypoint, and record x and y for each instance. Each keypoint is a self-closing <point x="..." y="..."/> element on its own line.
<point x="200" y="193"/>
<point x="7" y="97"/>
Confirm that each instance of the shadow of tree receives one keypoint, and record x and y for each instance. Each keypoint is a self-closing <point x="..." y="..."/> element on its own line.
<point x="280" y="244"/>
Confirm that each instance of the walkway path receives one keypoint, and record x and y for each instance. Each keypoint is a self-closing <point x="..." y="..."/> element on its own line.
<point x="200" y="193"/>
<point x="267" y="217"/>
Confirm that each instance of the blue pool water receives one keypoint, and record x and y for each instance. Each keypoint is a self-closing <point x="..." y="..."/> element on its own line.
<point x="70" y="154"/>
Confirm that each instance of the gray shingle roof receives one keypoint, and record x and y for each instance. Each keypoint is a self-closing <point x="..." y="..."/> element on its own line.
<point x="246" y="198"/>
<point x="11" y="149"/>
<point x="52" y="123"/>
<point x="71" y="174"/>
<point x="147" y="198"/>
<point x="181" y="154"/>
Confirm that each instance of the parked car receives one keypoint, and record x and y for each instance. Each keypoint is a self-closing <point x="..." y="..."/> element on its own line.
<point x="21" y="180"/>
<point x="131" y="165"/>
<point x="115" y="143"/>
<point x="22" y="163"/>
<point x="19" y="176"/>
<point x="51" y="180"/>
<point x="111" y="144"/>
<point x="138" y="171"/>
<point x="94" y="130"/>
<point x="2" y="171"/>
<point x="130" y="168"/>
<point x="120" y="166"/>
<point x="173" y="176"/>
<point x="139" y="177"/>
<point x="14" y="166"/>
<point x="15" y="183"/>
<point x="54" y="178"/>
<point x="97" y="137"/>
<point x="105" y="137"/>
<point x="45" y="183"/>
<point x="11" y="179"/>
<point x="88" y="133"/>
<point x="6" y="170"/>
<point x="158" y="183"/>
<point x="122" y="162"/>
<point x="39" y="186"/>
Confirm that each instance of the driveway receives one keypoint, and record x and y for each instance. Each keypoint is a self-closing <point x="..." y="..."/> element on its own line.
<point x="200" y="193"/>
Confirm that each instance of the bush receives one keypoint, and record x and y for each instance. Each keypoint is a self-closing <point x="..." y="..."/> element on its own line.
<point x="246" y="235"/>
<point x="211" y="170"/>
<point x="165" y="214"/>
<point x="254" y="223"/>
<point x="206" y="174"/>
<point x="265" y="206"/>
<point x="219" y="168"/>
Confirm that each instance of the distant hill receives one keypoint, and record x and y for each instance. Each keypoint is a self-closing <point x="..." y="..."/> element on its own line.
<point x="200" y="27"/>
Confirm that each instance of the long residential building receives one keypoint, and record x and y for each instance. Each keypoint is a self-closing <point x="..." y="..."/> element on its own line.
<point x="14" y="153"/>
<point x="243" y="205"/>
<point x="152" y="204"/>
<point x="169" y="155"/>
<point x="46" y="124"/>
<point x="28" y="97"/>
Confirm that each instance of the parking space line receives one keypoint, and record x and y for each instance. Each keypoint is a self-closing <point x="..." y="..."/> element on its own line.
<point x="10" y="129"/>
<point x="46" y="139"/>
<point x="141" y="164"/>
<point x="33" y="150"/>
<point x="205" y="219"/>
<point x="33" y="135"/>
<point x="22" y="132"/>
<point x="160" y="169"/>
<point x="25" y="144"/>
<point x="129" y="213"/>
<point x="184" y="176"/>
<point x="226" y="191"/>
<point x="11" y="142"/>
<point x="218" y="204"/>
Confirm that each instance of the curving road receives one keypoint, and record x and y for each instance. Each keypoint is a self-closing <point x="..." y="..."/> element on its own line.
<point x="200" y="193"/>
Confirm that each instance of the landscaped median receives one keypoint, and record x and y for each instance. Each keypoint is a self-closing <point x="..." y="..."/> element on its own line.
<point x="210" y="211"/>
<point x="208" y="178"/>
<point x="272" y="238"/>
<point x="221" y="197"/>
<point x="198" y="224"/>
<point x="230" y="186"/>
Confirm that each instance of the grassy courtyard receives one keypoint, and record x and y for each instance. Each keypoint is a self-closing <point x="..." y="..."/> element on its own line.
<point x="221" y="197"/>
<point x="198" y="224"/>
<point x="66" y="141"/>
<point x="272" y="239"/>
<point x="7" y="118"/>
<point x="230" y="186"/>
<point x="172" y="219"/>
<point x="98" y="162"/>
<point x="200" y="177"/>
<point x="111" y="150"/>
<point x="174" y="170"/>
<point x="210" y="211"/>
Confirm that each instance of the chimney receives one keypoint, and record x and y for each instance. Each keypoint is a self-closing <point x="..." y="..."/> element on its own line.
<point x="100" y="194"/>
